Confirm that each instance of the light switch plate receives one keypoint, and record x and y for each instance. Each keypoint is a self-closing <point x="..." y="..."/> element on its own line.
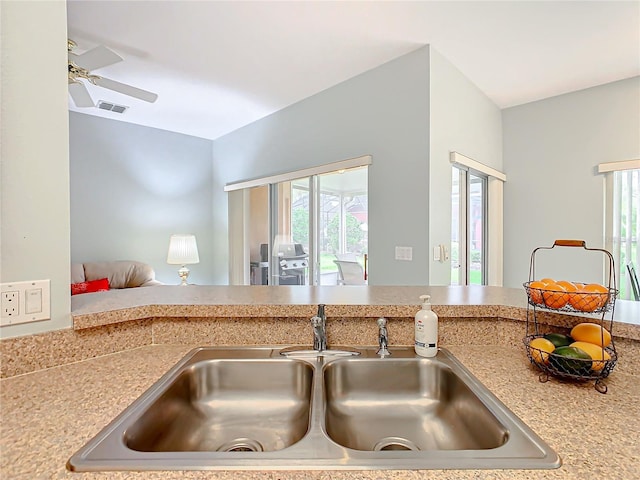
<point x="404" y="253"/>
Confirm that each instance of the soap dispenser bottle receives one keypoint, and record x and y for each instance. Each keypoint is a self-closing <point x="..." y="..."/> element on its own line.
<point x="426" y="329"/>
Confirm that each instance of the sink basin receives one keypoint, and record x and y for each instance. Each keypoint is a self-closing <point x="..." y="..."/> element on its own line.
<point x="228" y="405"/>
<point x="252" y="408"/>
<point x="406" y="404"/>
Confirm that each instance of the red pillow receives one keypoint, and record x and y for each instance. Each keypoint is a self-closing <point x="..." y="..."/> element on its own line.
<point x="89" y="287"/>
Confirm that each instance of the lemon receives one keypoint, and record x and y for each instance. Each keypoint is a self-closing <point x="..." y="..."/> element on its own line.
<point x="540" y="348"/>
<point x="591" y="333"/>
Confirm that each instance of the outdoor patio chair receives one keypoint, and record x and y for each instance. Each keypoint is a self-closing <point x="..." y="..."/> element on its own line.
<point x="350" y="273"/>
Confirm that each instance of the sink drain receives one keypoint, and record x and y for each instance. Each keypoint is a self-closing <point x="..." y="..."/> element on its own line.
<point x="242" y="445"/>
<point x="395" y="443"/>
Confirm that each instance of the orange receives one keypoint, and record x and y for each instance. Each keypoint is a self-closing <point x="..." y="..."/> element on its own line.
<point x="578" y="300"/>
<point x="601" y="290"/>
<point x="555" y="296"/>
<point x="591" y="297"/>
<point x="548" y="280"/>
<point x="591" y="333"/>
<point x="535" y="291"/>
<point x="568" y="286"/>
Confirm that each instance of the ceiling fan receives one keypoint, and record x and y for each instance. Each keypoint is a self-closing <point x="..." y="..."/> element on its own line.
<point x="80" y="67"/>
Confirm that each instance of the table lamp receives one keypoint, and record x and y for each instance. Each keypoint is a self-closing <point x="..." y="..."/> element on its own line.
<point x="183" y="250"/>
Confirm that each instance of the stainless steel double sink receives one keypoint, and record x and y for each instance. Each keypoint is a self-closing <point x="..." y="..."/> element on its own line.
<point x="253" y="408"/>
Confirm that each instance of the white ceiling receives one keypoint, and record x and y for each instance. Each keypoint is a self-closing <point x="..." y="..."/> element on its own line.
<point x="220" y="65"/>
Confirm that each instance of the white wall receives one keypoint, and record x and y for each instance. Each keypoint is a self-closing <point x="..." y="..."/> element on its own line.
<point x="551" y="149"/>
<point x="132" y="187"/>
<point x="34" y="171"/>
<point x="464" y="120"/>
<point x="383" y="112"/>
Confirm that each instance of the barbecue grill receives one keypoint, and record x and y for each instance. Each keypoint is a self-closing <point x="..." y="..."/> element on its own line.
<point x="292" y="262"/>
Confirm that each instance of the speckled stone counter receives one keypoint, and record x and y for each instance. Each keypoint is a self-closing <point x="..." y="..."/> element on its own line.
<point x="117" y="306"/>
<point x="48" y="415"/>
<point x="117" y="320"/>
<point x="60" y="388"/>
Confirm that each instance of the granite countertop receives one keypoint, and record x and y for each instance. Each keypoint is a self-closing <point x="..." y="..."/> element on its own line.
<point x="117" y="306"/>
<point x="90" y="310"/>
<point x="49" y="414"/>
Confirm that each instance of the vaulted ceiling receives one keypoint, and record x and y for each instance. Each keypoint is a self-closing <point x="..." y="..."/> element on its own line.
<point x="220" y="65"/>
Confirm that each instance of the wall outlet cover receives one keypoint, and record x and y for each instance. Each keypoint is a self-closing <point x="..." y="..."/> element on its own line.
<point x="24" y="302"/>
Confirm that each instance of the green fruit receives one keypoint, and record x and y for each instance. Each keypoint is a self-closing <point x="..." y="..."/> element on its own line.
<point x="558" y="339"/>
<point x="571" y="360"/>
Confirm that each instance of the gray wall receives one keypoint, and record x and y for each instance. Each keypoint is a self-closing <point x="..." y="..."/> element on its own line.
<point x="551" y="149"/>
<point x="34" y="175"/>
<point x="464" y="120"/>
<point x="132" y="187"/>
<point x="383" y="112"/>
<point x="408" y="114"/>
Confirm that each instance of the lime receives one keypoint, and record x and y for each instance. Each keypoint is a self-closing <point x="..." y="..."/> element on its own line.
<point x="558" y="339"/>
<point x="571" y="360"/>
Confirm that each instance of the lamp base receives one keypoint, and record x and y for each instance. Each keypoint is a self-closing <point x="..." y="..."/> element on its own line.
<point x="184" y="274"/>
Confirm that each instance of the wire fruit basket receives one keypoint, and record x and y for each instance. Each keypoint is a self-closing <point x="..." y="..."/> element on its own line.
<point x="571" y="302"/>
<point x="560" y="355"/>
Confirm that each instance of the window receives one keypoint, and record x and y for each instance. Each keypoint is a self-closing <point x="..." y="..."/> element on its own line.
<point x="622" y="219"/>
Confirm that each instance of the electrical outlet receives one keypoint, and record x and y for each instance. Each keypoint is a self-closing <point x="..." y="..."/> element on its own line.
<point x="10" y="304"/>
<point x="23" y="302"/>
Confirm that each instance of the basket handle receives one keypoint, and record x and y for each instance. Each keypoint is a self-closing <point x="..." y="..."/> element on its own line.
<point x="570" y="243"/>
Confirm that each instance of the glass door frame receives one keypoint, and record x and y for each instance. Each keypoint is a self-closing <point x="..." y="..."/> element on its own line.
<point x="464" y="230"/>
<point x="314" y="229"/>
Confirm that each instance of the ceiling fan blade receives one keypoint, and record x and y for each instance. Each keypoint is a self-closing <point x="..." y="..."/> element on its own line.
<point x="125" y="89"/>
<point x="80" y="95"/>
<point x="95" y="58"/>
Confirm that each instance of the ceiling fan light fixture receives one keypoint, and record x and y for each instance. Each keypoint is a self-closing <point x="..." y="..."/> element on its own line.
<point x="80" y="67"/>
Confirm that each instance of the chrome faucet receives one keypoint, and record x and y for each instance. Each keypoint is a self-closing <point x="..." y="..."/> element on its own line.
<point x="319" y="324"/>
<point x="383" y="338"/>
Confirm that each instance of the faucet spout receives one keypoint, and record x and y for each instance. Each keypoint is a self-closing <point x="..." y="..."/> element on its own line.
<point x="319" y="324"/>
<point x="383" y="338"/>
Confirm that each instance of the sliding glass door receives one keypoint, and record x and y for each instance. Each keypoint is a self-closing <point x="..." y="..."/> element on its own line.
<point x="468" y="227"/>
<point x="300" y="228"/>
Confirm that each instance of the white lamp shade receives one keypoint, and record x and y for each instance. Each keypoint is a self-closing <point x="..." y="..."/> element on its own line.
<point x="183" y="250"/>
